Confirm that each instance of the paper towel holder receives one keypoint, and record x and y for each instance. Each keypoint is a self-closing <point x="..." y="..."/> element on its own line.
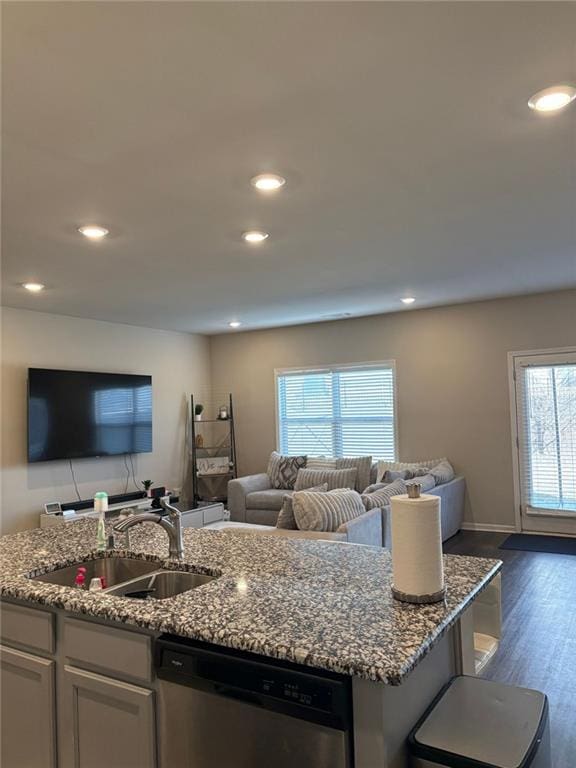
<point x="414" y="491"/>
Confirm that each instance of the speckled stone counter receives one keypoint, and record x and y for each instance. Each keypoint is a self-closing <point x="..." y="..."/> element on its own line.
<point x="322" y="604"/>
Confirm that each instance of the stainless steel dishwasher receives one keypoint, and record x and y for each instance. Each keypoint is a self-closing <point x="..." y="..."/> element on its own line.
<point x="220" y="708"/>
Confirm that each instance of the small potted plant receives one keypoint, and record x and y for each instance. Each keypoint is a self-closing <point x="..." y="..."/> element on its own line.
<point x="198" y="410"/>
<point x="147" y="485"/>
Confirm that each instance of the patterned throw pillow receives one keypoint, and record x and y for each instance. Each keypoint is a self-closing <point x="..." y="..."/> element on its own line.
<point x="286" y="517"/>
<point x="382" y="497"/>
<point x="283" y="470"/>
<point x="336" y="478"/>
<point x="363" y="466"/>
<point x="442" y="472"/>
<point x="326" y="511"/>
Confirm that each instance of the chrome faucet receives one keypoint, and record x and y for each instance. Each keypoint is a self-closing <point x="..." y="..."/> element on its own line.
<point x="172" y="524"/>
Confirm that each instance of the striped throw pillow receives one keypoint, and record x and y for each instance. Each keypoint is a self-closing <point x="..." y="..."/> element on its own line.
<point x="381" y="498"/>
<point x="363" y="465"/>
<point x="320" y="462"/>
<point x="286" y="517"/>
<point x="335" y="478"/>
<point x="326" y="511"/>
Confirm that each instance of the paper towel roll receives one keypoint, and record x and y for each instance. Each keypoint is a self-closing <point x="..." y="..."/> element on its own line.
<point x="417" y="549"/>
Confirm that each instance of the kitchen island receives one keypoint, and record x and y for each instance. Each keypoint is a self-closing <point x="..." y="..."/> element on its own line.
<point x="321" y="605"/>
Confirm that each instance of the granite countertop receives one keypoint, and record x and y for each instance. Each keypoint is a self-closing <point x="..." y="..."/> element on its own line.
<point x="322" y="604"/>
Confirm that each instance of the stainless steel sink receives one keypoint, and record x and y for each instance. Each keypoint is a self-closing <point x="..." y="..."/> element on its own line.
<point x="160" y="585"/>
<point x="114" y="570"/>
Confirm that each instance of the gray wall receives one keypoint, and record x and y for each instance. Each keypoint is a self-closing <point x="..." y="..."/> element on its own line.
<point x="452" y="379"/>
<point x="179" y="364"/>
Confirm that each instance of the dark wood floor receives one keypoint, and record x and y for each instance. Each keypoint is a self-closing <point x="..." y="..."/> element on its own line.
<point x="538" y="648"/>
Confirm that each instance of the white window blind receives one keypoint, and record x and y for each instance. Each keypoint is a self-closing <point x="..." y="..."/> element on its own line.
<point x="547" y="434"/>
<point x="340" y="411"/>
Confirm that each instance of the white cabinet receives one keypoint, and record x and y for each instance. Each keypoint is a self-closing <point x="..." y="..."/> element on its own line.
<point x="28" y="710"/>
<point x="105" y="722"/>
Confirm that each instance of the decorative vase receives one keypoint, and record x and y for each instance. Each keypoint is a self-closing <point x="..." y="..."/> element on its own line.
<point x="197" y="417"/>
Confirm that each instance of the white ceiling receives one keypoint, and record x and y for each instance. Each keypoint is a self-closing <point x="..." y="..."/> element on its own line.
<point x="413" y="163"/>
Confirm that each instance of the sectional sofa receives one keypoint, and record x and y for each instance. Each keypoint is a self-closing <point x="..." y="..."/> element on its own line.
<point x="252" y="501"/>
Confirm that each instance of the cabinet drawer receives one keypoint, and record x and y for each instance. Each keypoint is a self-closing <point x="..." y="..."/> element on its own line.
<point x="30" y="627"/>
<point x="124" y="653"/>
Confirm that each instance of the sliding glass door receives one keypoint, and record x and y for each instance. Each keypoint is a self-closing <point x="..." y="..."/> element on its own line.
<point x="545" y="405"/>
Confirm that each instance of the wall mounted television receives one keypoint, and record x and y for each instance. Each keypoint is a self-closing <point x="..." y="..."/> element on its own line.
<point x="81" y="414"/>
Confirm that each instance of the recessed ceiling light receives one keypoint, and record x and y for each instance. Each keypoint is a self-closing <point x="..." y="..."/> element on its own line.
<point x="268" y="182"/>
<point x="552" y="99"/>
<point x="235" y="324"/>
<point x="34" y="287"/>
<point x="408" y="300"/>
<point x="93" y="232"/>
<point x="254" y="236"/>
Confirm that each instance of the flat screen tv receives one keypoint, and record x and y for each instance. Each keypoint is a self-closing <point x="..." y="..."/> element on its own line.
<point x="78" y="414"/>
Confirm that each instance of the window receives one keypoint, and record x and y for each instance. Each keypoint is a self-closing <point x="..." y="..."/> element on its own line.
<point x="546" y="418"/>
<point x="339" y="411"/>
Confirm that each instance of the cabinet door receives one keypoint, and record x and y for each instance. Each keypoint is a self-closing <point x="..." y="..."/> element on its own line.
<point x="28" y="735"/>
<point x="106" y="722"/>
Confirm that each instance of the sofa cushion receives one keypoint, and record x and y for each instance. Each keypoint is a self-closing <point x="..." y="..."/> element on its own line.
<point x="381" y="498"/>
<point x="286" y="517"/>
<point x="326" y="511"/>
<point x="270" y="499"/>
<point x="335" y="478"/>
<point x="442" y="472"/>
<point x="282" y="470"/>
<point x="362" y="464"/>
<point x="397" y="466"/>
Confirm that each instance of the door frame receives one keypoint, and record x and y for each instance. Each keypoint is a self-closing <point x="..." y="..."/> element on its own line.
<point x="552" y="520"/>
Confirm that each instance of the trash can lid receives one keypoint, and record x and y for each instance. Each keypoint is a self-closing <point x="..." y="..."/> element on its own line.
<point x="481" y="722"/>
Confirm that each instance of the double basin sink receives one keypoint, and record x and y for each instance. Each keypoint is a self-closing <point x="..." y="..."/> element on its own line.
<point x="128" y="577"/>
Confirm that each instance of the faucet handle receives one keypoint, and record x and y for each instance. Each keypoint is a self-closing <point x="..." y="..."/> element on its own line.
<point x="172" y="511"/>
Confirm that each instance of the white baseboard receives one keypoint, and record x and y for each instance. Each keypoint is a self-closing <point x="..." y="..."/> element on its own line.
<point x="493" y="527"/>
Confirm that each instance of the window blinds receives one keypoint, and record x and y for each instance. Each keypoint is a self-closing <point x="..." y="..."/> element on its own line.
<point x="547" y="436"/>
<point x="335" y="412"/>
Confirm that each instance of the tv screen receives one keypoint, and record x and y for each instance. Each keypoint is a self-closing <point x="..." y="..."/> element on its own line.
<point x="77" y="414"/>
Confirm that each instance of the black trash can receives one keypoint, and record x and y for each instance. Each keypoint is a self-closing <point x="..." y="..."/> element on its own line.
<point x="476" y="723"/>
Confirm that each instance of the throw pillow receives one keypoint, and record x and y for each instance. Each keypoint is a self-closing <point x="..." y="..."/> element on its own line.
<point x="396" y="474"/>
<point x="320" y="462"/>
<point x="443" y="472"/>
<point x="286" y="517"/>
<point x="336" y="478"/>
<point x="283" y="470"/>
<point x="363" y="465"/>
<point x="427" y="482"/>
<point x="375" y="487"/>
<point x="382" y="497"/>
<point x="326" y="511"/>
<point x="396" y="466"/>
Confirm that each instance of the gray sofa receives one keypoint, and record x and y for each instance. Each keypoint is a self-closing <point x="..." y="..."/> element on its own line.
<point x="365" y="529"/>
<point x="252" y="500"/>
